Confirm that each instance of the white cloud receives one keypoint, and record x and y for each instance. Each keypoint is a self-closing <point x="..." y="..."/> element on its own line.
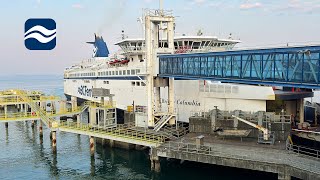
<point x="147" y="1"/>
<point x="250" y="5"/>
<point x="198" y="2"/>
<point x="77" y="6"/>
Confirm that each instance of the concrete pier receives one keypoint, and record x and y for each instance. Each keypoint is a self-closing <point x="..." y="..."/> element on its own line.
<point x="245" y="155"/>
<point x="155" y="160"/>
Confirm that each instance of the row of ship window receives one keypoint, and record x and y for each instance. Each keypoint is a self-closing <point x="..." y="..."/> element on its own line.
<point x="133" y="83"/>
<point x="108" y="73"/>
<point x="119" y="72"/>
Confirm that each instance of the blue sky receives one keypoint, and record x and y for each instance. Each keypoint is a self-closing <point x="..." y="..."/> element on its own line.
<point x="255" y="22"/>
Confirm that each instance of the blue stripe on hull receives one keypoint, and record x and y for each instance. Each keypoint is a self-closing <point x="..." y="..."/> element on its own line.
<point x="112" y="78"/>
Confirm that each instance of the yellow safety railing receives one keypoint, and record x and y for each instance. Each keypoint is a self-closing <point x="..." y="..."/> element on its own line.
<point x="17" y="116"/>
<point x="119" y="131"/>
<point x="105" y="105"/>
<point x="35" y="107"/>
<point x="17" y="99"/>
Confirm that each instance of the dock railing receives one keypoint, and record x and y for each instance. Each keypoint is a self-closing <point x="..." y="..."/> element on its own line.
<point x="302" y="150"/>
<point x="244" y="154"/>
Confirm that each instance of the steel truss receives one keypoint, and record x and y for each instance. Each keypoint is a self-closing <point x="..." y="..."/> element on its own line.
<point x="290" y="66"/>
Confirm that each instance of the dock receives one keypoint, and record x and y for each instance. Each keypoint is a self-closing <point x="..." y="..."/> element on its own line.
<point x="217" y="148"/>
<point x="247" y="155"/>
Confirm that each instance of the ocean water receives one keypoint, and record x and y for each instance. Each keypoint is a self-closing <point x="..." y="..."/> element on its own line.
<point x="23" y="155"/>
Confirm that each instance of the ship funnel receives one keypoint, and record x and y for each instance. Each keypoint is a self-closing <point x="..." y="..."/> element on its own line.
<point x="100" y="47"/>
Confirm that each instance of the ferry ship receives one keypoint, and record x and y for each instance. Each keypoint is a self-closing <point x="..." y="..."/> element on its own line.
<point x="124" y="74"/>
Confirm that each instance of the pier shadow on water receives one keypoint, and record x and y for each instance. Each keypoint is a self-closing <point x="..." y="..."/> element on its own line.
<point x="24" y="155"/>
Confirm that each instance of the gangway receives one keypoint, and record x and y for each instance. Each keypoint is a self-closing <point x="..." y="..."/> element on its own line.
<point x="297" y="67"/>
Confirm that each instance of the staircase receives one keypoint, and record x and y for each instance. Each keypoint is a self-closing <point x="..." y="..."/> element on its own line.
<point x="163" y="120"/>
<point x="36" y="108"/>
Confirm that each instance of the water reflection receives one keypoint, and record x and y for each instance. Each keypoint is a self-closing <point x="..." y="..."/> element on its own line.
<point x="31" y="155"/>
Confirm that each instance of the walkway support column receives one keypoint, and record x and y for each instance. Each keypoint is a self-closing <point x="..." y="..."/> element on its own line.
<point x="78" y="120"/>
<point x="301" y="110"/>
<point x="171" y="100"/>
<point x="157" y="98"/>
<point x="74" y="104"/>
<point x="92" y="145"/>
<point x="153" y="46"/>
<point x="5" y="111"/>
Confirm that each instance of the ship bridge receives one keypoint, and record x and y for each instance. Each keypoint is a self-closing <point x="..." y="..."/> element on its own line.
<point x="297" y="67"/>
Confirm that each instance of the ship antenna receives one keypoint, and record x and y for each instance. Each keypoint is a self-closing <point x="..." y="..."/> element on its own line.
<point x="160" y="7"/>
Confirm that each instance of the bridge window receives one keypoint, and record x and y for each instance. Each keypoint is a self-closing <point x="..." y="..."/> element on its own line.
<point x="138" y="71"/>
<point x="113" y="73"/>
<point x="128" y="72"/>
<point x="138" y="83"/>
<point x="124" y="72"/>
<point x="133" y="72"/>
<point x="116" y="72"/>
<point x="143" y="84"/>
<point x="120" y="72"/>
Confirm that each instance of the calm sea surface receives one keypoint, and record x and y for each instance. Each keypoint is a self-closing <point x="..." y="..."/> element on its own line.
<point x="24" y="156"/>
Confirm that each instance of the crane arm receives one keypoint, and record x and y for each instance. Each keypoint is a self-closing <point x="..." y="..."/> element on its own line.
<point x="264" y="130"/>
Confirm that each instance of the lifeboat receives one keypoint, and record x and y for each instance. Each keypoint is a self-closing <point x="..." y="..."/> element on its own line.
<point x="114" y="62"/>
<point x="125" y="61"/>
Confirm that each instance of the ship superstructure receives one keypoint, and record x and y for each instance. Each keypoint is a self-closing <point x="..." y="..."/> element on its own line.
<point x="126" y="75"/>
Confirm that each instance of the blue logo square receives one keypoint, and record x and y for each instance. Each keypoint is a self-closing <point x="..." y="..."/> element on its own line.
<point x="40" y="34"/>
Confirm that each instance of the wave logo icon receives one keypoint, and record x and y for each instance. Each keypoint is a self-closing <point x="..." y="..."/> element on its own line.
<point x="40" y="34"/>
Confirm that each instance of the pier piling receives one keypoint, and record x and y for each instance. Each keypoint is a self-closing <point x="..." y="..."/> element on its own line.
<point x="54" y="141"/>
<point x="32" y="123"/>
<point x="92" y="145"/>
<point x="40" y="129"/>
<point x="6" y="125"/>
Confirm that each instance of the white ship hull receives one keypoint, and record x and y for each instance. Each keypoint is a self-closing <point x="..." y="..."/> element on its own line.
<point x="190" y="95"/>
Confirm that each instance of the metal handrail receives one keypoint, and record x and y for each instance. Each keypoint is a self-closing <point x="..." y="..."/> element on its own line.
<point x="120" y="130"/>
<point x="213" y="151"/>
<point x="302" y="150"/>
